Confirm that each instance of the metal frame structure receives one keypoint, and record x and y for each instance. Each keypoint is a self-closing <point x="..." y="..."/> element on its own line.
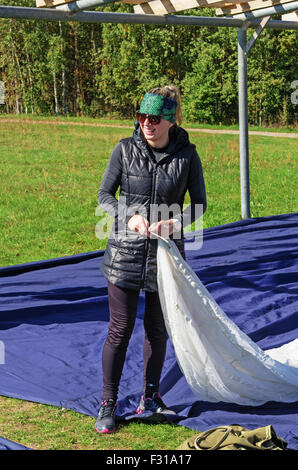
<point x="73" y="12"/>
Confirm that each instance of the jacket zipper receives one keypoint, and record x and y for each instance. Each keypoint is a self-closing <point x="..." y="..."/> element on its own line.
<point x="147" y="240"/>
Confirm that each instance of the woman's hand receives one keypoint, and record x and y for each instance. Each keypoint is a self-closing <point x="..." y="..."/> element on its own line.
<point x="165" y="228"/>
<point x="138" y="223"/>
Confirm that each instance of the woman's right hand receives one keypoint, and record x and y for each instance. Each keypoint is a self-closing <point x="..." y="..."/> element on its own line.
<point x="138" y="223"/>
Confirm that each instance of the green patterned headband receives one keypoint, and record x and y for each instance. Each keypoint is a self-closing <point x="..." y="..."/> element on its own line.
<point x="159" y="105"/>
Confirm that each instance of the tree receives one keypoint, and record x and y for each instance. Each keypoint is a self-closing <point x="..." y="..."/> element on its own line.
<point x="98" y="70"/>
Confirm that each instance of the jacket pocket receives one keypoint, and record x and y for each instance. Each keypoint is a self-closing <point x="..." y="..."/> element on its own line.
<point x="128" y="260"/>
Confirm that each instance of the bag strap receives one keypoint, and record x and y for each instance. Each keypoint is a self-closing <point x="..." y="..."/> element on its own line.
<point x="205" y="434"/>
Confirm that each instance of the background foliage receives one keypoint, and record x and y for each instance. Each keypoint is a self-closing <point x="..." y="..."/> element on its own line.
<point x="101" y="70"/>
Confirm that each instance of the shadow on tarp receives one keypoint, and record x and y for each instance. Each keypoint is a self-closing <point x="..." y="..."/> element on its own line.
<point x="54" y="319"/>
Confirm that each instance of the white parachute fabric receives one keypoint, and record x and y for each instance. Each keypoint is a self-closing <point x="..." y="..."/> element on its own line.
<point x="219" y="361"/>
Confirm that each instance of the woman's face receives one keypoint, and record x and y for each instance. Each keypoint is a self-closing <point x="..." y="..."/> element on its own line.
<point x="157" y="135"/>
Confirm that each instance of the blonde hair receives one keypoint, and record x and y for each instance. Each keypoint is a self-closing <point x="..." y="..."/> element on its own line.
<point x="171" y="91"/>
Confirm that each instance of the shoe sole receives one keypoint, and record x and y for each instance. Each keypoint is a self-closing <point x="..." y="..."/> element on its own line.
<point x="105" y="430"/>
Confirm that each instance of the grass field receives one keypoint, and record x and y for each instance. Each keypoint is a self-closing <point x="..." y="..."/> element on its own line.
<point x="50" y="176"/>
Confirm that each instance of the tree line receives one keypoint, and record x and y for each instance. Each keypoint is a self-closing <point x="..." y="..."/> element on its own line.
<point x="103" y="70"/>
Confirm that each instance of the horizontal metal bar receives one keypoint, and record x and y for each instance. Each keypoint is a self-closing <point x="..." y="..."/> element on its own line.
<point x="49" y="14"/>
<point x="273" y="10"/>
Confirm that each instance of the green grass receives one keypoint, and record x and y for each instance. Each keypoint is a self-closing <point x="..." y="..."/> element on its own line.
<point x="43" y="427"/>
<point x="50" y="176"/>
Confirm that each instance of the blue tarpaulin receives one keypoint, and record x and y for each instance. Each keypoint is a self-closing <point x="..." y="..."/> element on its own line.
<point x="6" y="444"/>
<point x="54" y="319"/>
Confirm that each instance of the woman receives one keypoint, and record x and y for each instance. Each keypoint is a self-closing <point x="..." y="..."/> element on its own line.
<point x="153" y="169"/>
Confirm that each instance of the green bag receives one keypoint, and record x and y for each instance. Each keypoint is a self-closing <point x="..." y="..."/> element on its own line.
<point x="235" y="437"/>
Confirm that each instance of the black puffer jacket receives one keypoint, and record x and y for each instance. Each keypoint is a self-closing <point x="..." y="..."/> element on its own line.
<point x="130" y="261"/>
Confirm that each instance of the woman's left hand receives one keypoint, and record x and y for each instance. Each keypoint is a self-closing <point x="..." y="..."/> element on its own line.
<point x="164" y="228"/>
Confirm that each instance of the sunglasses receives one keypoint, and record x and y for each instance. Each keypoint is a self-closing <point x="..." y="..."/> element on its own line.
<point x="155" y="120"/>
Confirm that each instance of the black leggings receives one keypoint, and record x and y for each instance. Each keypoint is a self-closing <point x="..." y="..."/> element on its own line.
<point x="123" y="308"/>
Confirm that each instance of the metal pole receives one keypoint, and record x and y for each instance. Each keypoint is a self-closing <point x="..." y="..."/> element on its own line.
<point x="48" y="14"/>
<point x="243" y="122"/>
<point x="54" y="14"/>
<point x="282" y="8"/>
<point x="257" y="33"/>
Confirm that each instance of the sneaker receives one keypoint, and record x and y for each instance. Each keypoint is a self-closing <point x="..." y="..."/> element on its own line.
<point x="154" y="404"/>
<point x="105" y="422"/>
